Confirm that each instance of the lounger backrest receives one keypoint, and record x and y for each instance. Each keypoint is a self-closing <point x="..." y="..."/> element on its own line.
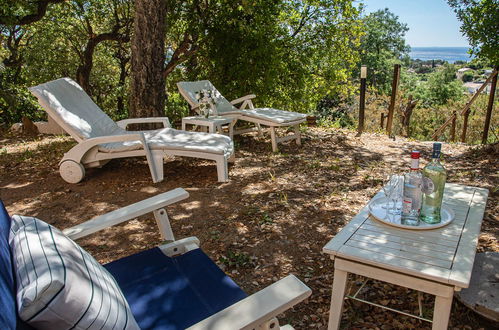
<point x="72" y="108"/>
<point x="189" y="89"/>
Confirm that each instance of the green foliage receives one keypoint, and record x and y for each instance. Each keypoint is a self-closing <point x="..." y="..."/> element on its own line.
<point x="438" y="88"/>
<point x="234" y="258"/>
<point x="382" y="46"/>
<point x="289" y="53"/>
<point x="468" y="76"/>
<point x="335" y="110"/>
<point x="53" y="48"/>
<point x="15" y="100"/>
<point x="480" y="23"/>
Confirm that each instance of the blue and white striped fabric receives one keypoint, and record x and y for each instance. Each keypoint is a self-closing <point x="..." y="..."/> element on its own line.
<point x="61" y="286"/>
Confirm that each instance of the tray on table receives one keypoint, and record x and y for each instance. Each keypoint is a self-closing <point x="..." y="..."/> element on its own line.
<point x="379" y="206"/>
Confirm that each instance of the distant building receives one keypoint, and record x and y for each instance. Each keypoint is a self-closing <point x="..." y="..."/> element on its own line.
<point x="461" y="72"/>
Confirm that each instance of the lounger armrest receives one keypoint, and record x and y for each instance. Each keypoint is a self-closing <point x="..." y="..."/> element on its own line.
<point x="259" y="307"/>
<point x="242" y="99"/>
<point x="77" y="152"/>
<point x="125" y="122"/>
<point x="126" y="213"/>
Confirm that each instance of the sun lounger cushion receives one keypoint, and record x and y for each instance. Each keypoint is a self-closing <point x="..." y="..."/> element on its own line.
<point x="173" y="293"/>
<point x="59" y="285"/>
<point x="175" y="140"/>
<point x="274" y="115"/>
<point x="84" y="118"/>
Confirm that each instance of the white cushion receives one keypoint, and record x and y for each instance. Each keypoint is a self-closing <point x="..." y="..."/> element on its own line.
<point x="59" y="285"/>
<point x="174" y="139"/>
<point x="273" y="115"/>
<point x="72" y="108"/>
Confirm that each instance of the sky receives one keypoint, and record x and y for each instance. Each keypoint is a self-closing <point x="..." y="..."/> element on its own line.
<point x="432" y="23"/>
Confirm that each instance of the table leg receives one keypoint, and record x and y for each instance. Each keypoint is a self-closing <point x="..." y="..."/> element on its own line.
<point x="211" y="128"/>
<point x="231" y="129"/>
<point x="441" y="312"/>
<point x="273" y="139"/>
<point x="297" y="134"/>
<point x="183" y="125"/>
<point x="337" y="297"/>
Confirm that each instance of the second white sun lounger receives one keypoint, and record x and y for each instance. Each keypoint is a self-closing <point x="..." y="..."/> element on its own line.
<point x="272" y="118"/>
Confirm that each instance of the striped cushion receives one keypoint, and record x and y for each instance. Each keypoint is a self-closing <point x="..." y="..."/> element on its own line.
<point x="59" y="285"/>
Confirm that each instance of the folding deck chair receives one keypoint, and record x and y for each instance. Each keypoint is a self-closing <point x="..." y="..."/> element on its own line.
<point x="100" y="139"/>
<point x="58" y="285"/>
<point x="272" y="118"/>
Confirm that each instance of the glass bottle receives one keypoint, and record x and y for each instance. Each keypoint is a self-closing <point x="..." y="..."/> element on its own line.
<point x="434" y="176"/>
<point x="411" y="201"/>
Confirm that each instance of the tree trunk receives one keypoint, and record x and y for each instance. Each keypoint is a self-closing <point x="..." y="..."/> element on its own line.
<point x="147" y="95"/>
<point x="406" y="113"/>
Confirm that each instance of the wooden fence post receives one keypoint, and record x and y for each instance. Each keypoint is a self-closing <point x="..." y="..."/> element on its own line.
<point x="382" y="122"/>
<point x="489" y="108"/>
<point x="391" y="108"/>
<point x="453" y="127"/>
<point x="465" y="125"/>
<point x="362" y="101"/>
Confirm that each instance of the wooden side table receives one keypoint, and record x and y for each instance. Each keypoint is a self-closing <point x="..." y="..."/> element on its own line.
<point x="213" y="124"/>
<point x="437" y="261"/>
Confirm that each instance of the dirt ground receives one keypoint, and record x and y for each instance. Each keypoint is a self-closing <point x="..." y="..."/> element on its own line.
<point x="272" y="219"/>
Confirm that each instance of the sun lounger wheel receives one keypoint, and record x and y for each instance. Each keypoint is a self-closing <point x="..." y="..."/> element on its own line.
<point x="71" y="171"/>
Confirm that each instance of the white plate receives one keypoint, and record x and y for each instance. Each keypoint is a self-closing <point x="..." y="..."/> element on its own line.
<point x="378" y="210"/>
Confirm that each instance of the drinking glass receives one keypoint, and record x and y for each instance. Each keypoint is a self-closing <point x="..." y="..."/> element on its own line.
<point x="392" y="188"/>
<point x="397" y="182"/>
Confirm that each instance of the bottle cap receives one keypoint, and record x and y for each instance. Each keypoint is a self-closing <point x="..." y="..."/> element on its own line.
<point x="415" y="154"/>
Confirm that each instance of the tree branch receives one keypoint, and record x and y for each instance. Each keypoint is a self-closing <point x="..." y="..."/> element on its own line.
<point x="41" y="9"/>
<point x="182" y="53"/>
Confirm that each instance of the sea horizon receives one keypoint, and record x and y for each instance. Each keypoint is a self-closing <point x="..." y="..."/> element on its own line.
<point x="449" y="54"/>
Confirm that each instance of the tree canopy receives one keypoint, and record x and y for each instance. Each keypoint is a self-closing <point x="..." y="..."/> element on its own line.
<point x="480" y="23"/>
<point x="382" y="45"/>
<point x="291" y="53"/>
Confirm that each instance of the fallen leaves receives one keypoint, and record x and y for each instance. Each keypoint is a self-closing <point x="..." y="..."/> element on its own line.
<point x="272" y="219"/>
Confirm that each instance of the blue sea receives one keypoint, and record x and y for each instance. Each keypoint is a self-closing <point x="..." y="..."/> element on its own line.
<point x="449" y="54"/>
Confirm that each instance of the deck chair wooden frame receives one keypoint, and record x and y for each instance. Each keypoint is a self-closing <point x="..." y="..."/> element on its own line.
<point x="257" y="311"/>
<point x="243" y="109"/>
<point x="88" y="153"/>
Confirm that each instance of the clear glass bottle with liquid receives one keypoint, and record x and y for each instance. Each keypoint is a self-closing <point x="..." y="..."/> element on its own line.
<point x="411" y="200"/>
<point x="434" y="177"/>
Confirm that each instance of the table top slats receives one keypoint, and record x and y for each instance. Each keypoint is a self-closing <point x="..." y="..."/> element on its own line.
<point x="423" y="235"/>
<point x="389" y="253"/>
<point x="444" y="254"/>
<point x="418" y="251"/>
<point x="451" y="232"/>
<point x="433" y="246"/>
<point x="465" y="254"/>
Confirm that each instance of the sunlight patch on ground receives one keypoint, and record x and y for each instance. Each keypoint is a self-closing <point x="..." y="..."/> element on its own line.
<point x="254" y="189"/>
<point x="241" y="228"/>
<point x="149" y="190"/>
<point x="192" y="205"/>
<point x="16" y="185"/>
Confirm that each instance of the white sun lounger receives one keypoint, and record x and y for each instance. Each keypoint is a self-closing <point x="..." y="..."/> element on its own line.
<point x="100" y="139"/>
<point x="259" y="116"/>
